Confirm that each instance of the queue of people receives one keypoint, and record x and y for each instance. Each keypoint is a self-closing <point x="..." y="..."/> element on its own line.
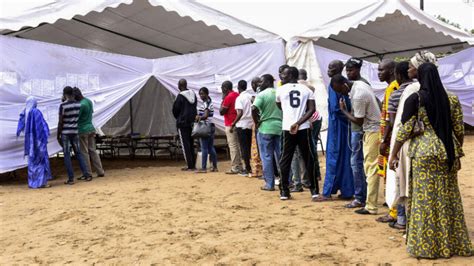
<point x="414" y="136"/>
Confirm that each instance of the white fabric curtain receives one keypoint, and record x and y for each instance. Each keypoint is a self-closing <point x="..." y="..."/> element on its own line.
<point x="43" y="70"/>
<point x="209" y="69"/>
<point x="110" y="81"/>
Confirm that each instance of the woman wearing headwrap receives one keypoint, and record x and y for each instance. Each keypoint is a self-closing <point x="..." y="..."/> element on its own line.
<point x="436" y="225"/>
<point x="404" y="164"/>
<point x="36" y="142"/>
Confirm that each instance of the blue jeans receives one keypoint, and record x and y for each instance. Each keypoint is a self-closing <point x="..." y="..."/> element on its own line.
<point x="72" y="141"/>
<point x="357" y="165"/>
<point x="207" y="147"/>
<point x="401" y="215"/>
<point x="270" y="149"/>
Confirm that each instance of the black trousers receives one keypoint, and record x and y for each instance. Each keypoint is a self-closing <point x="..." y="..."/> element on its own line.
<point x="187" y="143"/>
<point x="302" y="139"/>
<point x="245" y="141"/>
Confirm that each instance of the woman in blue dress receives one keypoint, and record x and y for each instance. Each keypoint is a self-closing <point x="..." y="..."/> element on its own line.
<point x="36" y="141"/>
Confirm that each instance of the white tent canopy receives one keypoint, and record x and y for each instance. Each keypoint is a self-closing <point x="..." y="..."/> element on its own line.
<point x="386" y="27"/>
<point x="144" y="28"/>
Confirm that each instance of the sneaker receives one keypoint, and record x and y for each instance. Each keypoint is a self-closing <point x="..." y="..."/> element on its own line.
<point x="201" y="171"/>
<point x="89" y="178"/>
<point x="296" y="189"/>
<point x="232" y="172"/>
<point x="267" y="188"/>
<point x="244" y="173"/>
<point x="101" y="175"/>
<point x="69" y="182"/>
<point x="214" y="169"/>
<point x="314" y="196"/>
<point x="285" y="195"/>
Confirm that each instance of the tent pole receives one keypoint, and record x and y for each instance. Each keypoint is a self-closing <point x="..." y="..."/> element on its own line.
<point x="414" y="49"/>
<point x="126" y="36"/>
<point x="131" y="116"/>
<point x="353" y="45"/>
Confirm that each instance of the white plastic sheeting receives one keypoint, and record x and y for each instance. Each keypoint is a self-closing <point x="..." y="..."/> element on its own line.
<point x="386" y="27"/>
<point x="110" y="81"/>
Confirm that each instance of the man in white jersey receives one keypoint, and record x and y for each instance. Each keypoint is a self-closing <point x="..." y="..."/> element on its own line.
<point x="297" y="104"/>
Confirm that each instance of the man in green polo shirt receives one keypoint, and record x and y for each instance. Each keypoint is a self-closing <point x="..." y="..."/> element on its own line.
<point x="267" y="118"/>
<point x="87" y="134"/>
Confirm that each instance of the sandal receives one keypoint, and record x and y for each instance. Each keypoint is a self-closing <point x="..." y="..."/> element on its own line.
<point x="355" y="204"/>
<point x="398" y="226"/>
<point x="385" y="219"/>
<point x="322" y="198"/>
<point x="340" y="197"/>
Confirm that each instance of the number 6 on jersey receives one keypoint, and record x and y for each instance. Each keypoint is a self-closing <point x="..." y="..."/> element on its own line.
<point x="295" y="100"/>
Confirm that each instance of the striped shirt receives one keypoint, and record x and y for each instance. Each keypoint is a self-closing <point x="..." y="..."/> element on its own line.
<point x="207" y="105"/>
<point x="70" y="114"/>
<point x="315" y="117"/>
<point x="394" y="99"/>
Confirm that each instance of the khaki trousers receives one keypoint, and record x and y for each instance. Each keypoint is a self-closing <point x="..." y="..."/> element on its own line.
<point x="234" y="149"/>
<point x="88" y="152"/>
<point x="371" y="152"/>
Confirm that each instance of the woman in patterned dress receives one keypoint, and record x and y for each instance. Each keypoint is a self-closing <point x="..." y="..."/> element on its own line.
<point x="436" y="226"/>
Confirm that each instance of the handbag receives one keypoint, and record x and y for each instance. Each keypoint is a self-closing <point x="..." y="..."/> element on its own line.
<point x="418" y="126"/>
<point x="201" y="129"/>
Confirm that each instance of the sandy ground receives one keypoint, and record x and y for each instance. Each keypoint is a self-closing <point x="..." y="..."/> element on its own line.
<point x="147" y="211"/>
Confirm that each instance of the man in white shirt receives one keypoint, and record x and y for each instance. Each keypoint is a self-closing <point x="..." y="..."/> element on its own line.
<point x="366" y="114"/>
<point x="243" y="124"/>
<point x="297" y="104"/>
